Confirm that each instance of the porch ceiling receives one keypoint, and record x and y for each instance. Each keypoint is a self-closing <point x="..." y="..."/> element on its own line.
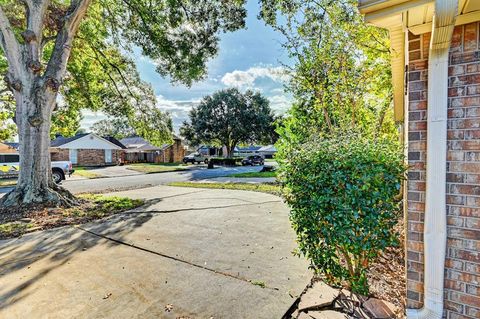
<point x="414" y="15"/>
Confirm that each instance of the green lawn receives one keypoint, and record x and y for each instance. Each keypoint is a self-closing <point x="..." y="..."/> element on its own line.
<point x="149" y="168"/>
<point x="263" y="188"/>
<point x="86" y="172"/>
<point x="255" y="174"/>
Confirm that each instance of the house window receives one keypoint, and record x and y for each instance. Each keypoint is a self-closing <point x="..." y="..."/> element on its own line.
<point x="108" y="156"/>
<point x="73" y="155"/>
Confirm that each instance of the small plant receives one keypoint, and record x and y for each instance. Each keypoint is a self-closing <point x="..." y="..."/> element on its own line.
<point x="259" y="283"/>
<point x="343" y="193"/>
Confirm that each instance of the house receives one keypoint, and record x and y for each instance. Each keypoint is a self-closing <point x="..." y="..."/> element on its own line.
<point x="140" y="150"/>
<point x="207" y="150"/>
<point x="87" y="149"/>
<point x="6" y="148"/>
<point x="246" y="151"/>
<point x="268" y="151"/>
<point x="436" y="80"/>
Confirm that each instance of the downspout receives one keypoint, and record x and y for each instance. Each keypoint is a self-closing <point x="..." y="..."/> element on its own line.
<point x="435" y="227"/>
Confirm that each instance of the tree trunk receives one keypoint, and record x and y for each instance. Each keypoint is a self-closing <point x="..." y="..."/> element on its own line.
<point x="35" y="184"/>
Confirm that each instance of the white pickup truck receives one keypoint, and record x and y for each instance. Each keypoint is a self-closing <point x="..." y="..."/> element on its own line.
<point x="9" y="163"/>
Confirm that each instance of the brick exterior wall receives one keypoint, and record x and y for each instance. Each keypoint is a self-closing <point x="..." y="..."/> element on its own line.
<point x="172" y="154"/>
<point x="86" y="157"/>
<point x="462" y="273"/>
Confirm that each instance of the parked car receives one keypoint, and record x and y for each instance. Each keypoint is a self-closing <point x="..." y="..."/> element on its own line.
<point x="10" y="163"/>
<point x="253" y="160"/>
<point x="195" y="158"/>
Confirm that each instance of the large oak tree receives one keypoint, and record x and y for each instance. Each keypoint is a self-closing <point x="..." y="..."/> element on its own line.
<point x="229" y="117"/>
<point x="38" y="37"/>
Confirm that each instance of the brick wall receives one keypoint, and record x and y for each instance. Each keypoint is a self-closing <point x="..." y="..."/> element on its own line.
<point x="462" y="274"/>
<point x="86" y="157"/>
<point x="172" y="154"/>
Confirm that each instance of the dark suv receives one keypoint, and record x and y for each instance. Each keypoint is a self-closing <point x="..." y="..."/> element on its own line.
<point x="253" y="160"/>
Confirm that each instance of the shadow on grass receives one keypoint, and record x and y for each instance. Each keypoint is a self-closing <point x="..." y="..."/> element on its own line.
<point x="55" y="247"/>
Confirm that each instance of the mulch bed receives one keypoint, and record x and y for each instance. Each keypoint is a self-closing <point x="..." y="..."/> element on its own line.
<point x="387" y="274"/>
<point x="18" y="221"/>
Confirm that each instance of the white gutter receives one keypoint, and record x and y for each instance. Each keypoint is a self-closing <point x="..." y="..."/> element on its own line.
<point x="435" y="227"/>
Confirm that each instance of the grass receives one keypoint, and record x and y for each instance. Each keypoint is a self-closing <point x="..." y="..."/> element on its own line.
<point x="258" y="283"/>
<point x="270" y="160"/>
<point x="14" y="229"/>
<point x="8" y="182"/>
<point x="263" y="188"/>
<point x="92" y="207"/>
<point x="86" y="172"/>
<point x="255" y="174"/>
<point x="150" y="168"/>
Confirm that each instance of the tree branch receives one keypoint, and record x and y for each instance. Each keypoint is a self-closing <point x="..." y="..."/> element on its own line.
<point x="36" y="10"/>
<point x="57" y="64"/>
<point x="10" y="45"/>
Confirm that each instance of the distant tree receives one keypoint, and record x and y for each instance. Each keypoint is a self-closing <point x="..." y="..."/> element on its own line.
<point x="73" y="48"/>
<point x="116" y="127"/>
<point x="229" y="117"/>
<point x="157" y="124"/>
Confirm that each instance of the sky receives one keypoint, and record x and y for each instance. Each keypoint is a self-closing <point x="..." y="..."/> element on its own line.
<point x="250" y="58"/>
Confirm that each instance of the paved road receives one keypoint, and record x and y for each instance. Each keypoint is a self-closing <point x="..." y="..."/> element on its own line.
<point x="146" y="180"/>
<point x="190" y="253"/>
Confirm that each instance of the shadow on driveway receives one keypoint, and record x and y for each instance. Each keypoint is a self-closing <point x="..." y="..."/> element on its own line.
<point x="54" y="247"/>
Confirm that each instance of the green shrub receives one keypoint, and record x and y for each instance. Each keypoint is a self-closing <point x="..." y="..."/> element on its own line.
<point x="344" y="197"/>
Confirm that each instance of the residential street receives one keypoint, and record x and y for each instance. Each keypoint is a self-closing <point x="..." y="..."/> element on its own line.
<point x="189" y="253"/>
<point x="136" y="180"/>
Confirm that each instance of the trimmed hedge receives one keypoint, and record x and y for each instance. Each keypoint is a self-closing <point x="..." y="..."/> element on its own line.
<point x="344" y="197"/>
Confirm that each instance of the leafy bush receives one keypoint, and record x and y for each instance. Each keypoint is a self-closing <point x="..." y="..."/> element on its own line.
<point x="343" y="193"/>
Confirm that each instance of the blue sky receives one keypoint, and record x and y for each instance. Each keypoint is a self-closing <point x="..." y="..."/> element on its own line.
<point x="249" y="58"/>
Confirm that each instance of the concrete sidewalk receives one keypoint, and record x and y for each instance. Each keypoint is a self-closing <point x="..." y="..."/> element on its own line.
<point x="189" y="252"/>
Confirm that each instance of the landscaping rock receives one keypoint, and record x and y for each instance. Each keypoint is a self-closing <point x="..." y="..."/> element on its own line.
<point x="318" y="296"/>
<point x="350" y="303"/>
<point x="380" y="309"/>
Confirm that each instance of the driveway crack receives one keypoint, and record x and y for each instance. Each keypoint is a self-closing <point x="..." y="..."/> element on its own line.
<point x="175" y="258"/>
<point x="193" y="208"/>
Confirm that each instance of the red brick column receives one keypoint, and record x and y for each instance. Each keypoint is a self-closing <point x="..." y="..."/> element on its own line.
<point x="462" y="273"/>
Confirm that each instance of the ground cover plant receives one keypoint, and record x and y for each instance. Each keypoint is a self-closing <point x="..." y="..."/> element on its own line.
<point x="343" y="192"/>
<point x="91" y="207"/>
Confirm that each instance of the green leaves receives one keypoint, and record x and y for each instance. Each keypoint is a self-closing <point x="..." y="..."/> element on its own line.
<point x="342" y="191"/>
<point x="229" y="117"/>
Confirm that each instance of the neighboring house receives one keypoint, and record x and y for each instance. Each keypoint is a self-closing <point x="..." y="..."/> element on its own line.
<point x="207" y="150"/>
<point x="12" y="145"/>
<point x="268" y="151"/>
<point x="265" y="151"/>
<point x="6" y="148"/>
<point x="436" y="81"/>
<point x="246" y="151"/>
<point x="139" y="150"/>
<point x="87" y="150"/>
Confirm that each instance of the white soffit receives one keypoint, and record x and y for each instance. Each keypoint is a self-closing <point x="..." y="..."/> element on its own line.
<point x="416" y="15"/>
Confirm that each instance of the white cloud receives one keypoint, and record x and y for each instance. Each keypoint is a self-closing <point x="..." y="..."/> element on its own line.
<point x="280" y="103"/>
<point x="247" y="78"/>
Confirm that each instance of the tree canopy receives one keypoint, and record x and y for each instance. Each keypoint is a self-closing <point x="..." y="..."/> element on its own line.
<point x="229" y="117"/>
<point x="341" y="72"/>
<point x="78" y="50"/>
<point x="179" y="37"/>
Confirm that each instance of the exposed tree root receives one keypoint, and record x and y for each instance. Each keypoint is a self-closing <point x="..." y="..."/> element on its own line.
<point x="23" y="197"/>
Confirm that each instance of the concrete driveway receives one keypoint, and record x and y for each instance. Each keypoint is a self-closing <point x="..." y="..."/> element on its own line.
<point x="189" y="253"/>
